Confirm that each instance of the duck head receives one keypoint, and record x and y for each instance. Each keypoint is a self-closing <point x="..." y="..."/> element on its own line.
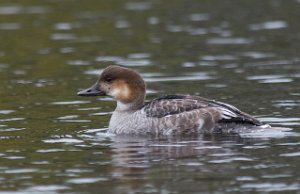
<point x="123" y="84"/>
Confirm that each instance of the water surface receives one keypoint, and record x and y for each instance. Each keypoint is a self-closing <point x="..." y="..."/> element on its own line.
<point x="243" y="53"/>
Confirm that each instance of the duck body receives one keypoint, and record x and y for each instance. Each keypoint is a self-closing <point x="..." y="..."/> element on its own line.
<point x="182" y="114"/>
<point x="172" y="114"/>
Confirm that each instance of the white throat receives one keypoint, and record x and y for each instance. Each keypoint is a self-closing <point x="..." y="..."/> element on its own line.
<point x="124" y="106"/>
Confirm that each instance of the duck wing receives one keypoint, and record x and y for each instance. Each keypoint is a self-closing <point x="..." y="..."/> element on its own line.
<point x="176" y="104"/>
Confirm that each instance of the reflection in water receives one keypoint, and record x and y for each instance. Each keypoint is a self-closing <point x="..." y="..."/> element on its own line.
<point x="142" y="162"/>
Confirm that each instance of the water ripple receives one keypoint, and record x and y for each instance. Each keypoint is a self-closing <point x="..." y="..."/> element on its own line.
<point x="12" y="119"/>
<point x="60" y="36"/>
<point x="257" y="55"/>
<point x="270" y="79"/>
<point x="21" y="170"/>
<point x="196" y="17"/>
<point x="9" y="10"/>
<point x="187" y="77"/>
<point x="229" y="41"/>
<point x="6" y="111"/>
<point x="71" y="102"/>
<point x="292" y="154"/>
<point x="63" y="140"/>
<point x="136" y="59"/>
<point x="271" y="187"/>
<point x="12" y="129"/>
<point x="269" y="25"/>
<point x="86" y="180"/>
<point x="138" y="6"/>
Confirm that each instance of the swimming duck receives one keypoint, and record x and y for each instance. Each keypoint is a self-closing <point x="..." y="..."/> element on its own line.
<point x="171" y="114"/>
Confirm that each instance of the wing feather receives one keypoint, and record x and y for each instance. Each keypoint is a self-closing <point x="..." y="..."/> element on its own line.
<point x="176" y="104"/>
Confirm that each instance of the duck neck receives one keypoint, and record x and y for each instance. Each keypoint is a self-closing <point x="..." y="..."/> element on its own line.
<point x="131" y="106"/>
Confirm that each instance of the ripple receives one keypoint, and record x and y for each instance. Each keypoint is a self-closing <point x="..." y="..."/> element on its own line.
<point x="43" y="189"/>
<point x="138" y="59"/>
<point x="87" y="39"/>
<point x="72" y="119"/>
<point x="5" y="112"/>
<point x="21" y="81"/>
<point x="21" y="170"/>
<point x="78" y="62"/>
<point x="271" y="186"/>
<point x="122" y="24"/>
<point x="229" y="160"/>
<point x="50" y="150"/>
<point x="134" y="62"/>
<point x="90" y="108"/>
<point x="197" y="17"/>
<point x="176" y="28"/>
<point x="139" y="55"/>
<point x="275" y="176"/>
<point x="193" y="164"/>
<point x="86" y="180"/>
<point x="264" y="77"/>
<point x="9" y="10"/>
<point x="138" y="6"/>
<point x="12" y="119"/>
<point x="153" y="20"/>
<point x="229" y="41"/>
<point x="76" y="121"/>
<point x="13" y="129"/>
<point x="255" y="147"/>
<point x="216" y="85"/>
<point x="286" y="103"/>
<point x="197" y="31"/>
<point x="292" y="154"/>
<point x="66" y="50"/>
<point x="109" y="58"/>
<point x="60" y="36"/>
<point x="101" y="114"/>
<point x="289" y="144"/>
<point x="219" y="58"/>
<point x="63" y="26"/>
<point x="274" y="132"/>
<point x="245" y="178"/>
<point x="270" y="79"/>
<point x="279" y="119"/>
<point x="269" y="63"/>
<point x="68" y="117"/>
<point x="273" y="81"/>
<point x="95" y="130"/>
<point x="14" y="157"/>
<point x="257" y="55"/>
<point x="187" y="77"/>
<point x="208" y="147"/>
<point x="37" y="83"/>
<point x="63" y="140"/>
<point x="188" y="64"/>
<point x="71" y="102"/>
<point x="270" y="25"/>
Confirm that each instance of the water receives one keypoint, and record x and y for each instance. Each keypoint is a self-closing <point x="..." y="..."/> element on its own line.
<point x="243" y="53"/>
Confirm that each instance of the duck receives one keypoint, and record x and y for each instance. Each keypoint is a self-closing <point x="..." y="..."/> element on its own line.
<point x="167" y="115"/>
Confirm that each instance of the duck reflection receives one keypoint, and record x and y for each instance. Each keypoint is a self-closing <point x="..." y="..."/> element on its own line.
<point x="136" y="159"/>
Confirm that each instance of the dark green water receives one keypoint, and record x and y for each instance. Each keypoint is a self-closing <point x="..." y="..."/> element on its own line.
<point x="242" y="52"/>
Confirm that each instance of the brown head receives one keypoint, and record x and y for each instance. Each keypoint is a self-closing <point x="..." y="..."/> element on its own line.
<point x="123" y="84"/>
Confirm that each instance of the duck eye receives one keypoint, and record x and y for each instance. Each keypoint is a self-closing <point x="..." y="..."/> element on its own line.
<point x="108" y="79"/>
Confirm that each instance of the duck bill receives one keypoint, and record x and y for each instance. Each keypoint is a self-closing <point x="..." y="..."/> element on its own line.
<point x="92" y="91"/>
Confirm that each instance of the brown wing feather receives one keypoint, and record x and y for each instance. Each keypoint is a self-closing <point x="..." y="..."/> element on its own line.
<point x="175" y="104"/>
